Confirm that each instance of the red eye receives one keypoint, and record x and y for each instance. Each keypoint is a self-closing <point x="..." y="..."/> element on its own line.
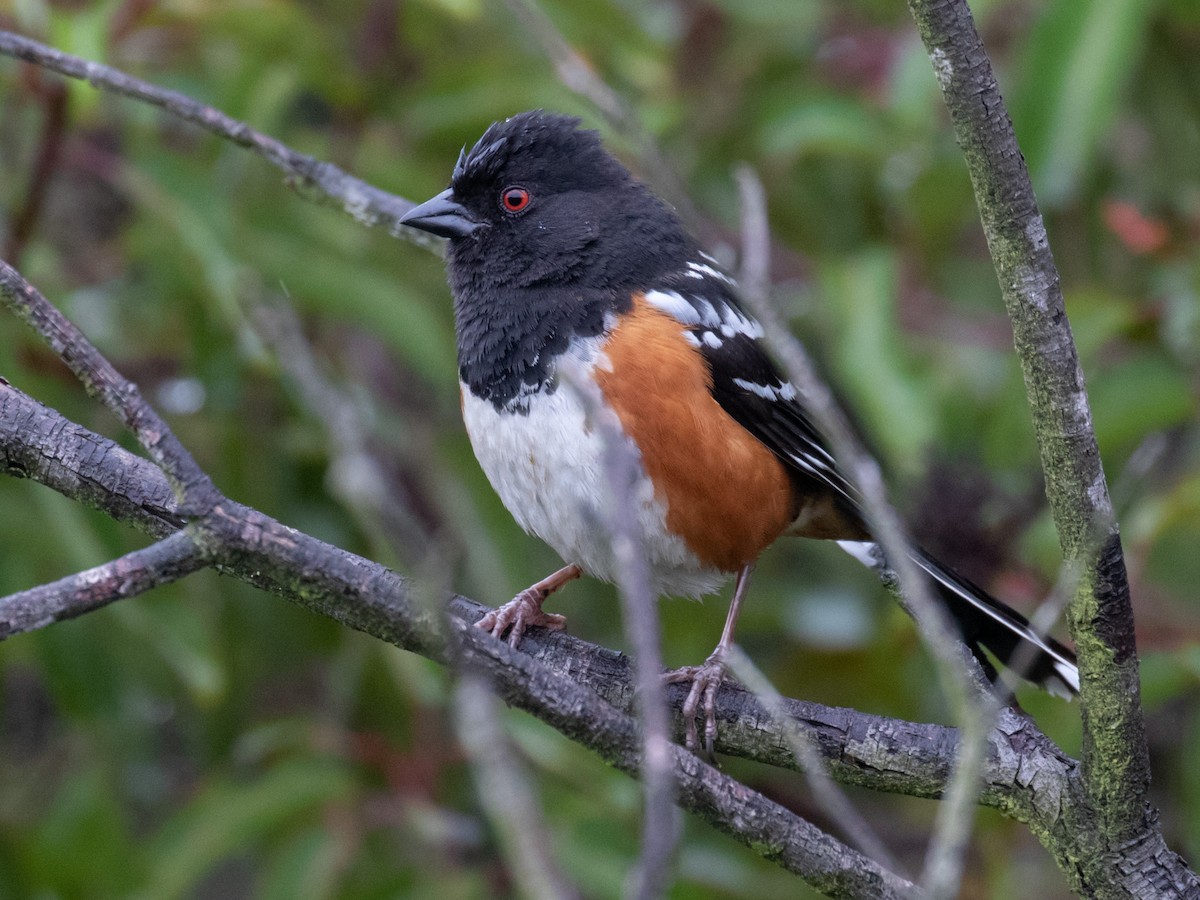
<point x="514" y="199"/>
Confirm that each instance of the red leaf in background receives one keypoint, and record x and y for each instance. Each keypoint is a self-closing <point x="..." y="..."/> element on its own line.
<point x="1137" y="231"/>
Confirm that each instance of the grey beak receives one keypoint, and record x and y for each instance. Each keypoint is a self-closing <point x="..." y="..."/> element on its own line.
<point x="442" y="216"/>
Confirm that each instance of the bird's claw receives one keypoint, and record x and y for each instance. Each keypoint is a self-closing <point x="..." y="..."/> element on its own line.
<point x="518" y="614"/>
<point x="705" y="680"/>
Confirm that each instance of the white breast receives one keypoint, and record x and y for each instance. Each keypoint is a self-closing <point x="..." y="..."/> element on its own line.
<point x="546" y="466"/>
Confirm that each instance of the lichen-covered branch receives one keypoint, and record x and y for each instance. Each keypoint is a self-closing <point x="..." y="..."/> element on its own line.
<point x="1116" y="768"/>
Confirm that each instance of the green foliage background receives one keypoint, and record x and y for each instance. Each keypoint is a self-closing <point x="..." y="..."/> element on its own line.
<point x="210" y="741"/>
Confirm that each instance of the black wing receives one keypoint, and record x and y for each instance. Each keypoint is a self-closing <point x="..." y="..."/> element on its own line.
<point x="748" y="387"/>
<point x="745" y="382"/>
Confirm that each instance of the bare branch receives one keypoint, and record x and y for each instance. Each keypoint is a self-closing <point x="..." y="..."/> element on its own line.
<point x="660" y="824"/>
<point x="1116" y="761"/>
<point x="361" y="200"/>
<point x="507" y="795"/>
<point x="1026" y="775"/>
<point x="135" y="573"/>
<point x="103" y="381"/>
<point x="833" y="801"/>
<point x="776" y="833"/>
<point x="368" y="597"/>
<point x="575" y="72"/>
<point x="357" y="476"/>
<point x="974" y="708"/>
<point x="53" y="96"/>
<point x="1023" y="773"/>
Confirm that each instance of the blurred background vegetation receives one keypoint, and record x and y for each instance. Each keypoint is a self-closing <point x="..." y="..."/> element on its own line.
<point x="210" y="741"/>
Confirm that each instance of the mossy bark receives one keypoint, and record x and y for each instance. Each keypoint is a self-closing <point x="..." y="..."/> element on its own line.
<point x="1116" y="768"/>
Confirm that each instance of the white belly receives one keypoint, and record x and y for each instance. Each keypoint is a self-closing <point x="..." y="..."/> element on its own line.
<point x="546" y="466"/>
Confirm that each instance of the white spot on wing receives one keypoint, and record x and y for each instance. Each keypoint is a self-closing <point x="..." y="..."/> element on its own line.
<point x="739" y="323"/>
<point x="704" y="270"/>
<point x="685" y="311"/>
<point x="776" y="393"/>
<point x="759" y="390"/>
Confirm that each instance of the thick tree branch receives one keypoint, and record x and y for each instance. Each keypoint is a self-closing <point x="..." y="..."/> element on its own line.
<point x="1024" y="774"/>
<point x="368" y="597"/>
<point x="775" y="833"/>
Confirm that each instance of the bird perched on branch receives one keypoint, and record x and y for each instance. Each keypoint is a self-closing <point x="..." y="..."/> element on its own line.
<point x="559" y="257"/>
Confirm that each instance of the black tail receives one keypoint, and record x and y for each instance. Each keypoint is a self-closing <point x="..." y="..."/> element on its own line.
<point x="986" y="622"/>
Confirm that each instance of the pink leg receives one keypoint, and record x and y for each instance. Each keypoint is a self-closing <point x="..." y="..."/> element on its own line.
<point x="706" y="679"/>
<point x="525" y="609"/>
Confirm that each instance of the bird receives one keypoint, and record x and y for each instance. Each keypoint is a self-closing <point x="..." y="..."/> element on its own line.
<point x="561" y="262"/>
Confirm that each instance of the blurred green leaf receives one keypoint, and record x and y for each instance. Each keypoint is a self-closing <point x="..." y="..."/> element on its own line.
<point x="84" y="812"/>
<point x="1136" y="397"/>
<point x="829" y="125"/>
<point x="860" y="295"/>
<point x="307" y="867"/>
<point x="1080" y="56"/>
<point x="119" y="731"/>
<point x="230" y="816"/>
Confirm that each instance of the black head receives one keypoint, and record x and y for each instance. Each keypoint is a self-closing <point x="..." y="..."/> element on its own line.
<point x="539" y="201"/>
<point x="549" y="235"/>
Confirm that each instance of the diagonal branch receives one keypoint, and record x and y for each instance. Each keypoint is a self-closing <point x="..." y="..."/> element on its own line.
<point x="102" y="380"/>
<point x="1075" y="482"/>
<point x="135" y="573"/>
<point x="777" y="834"/>
<point x="366" y="203"/>
<point x="960" y="676"/>
<point x="574" y="71"/>
<point x="1025" y="775"/>
<point x="371" y="598"/>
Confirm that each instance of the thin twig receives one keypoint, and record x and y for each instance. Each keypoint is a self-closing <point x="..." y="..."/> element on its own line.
<point x="873" y="751"/>
<point x="577" y="74"/>
<point x="357" y="477"/>
<point x="506" y="793"/>
<point x="361" y="200"/>
<point x="46" y="159"/>
<point x="103" y="381"/>
<point x="965" y="686"/>
<point x="789" y="840"/>
<point x="135" y="573"/>
<point x="834" y="803"/>
<point x="368" y="597"/>
<point x="660" y="823"/>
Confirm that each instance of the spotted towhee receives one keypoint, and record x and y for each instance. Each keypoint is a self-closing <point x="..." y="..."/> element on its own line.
<point x="558" y="255"/>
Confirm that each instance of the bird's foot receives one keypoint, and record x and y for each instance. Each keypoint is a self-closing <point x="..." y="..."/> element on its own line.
<point x="525" y="609"/>
<point x="705" y="679"/>
<point x="520" y="613"/>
